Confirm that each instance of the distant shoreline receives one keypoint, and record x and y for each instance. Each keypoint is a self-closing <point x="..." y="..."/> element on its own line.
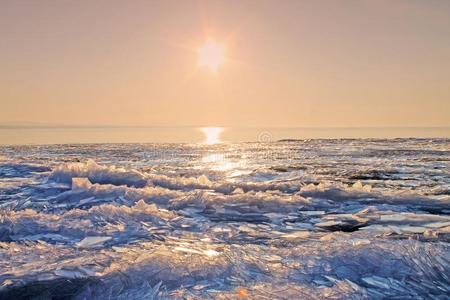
<point x="47" y="135"/>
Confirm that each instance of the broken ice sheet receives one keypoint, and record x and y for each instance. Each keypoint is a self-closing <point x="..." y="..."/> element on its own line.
<point x="313" y="219"/>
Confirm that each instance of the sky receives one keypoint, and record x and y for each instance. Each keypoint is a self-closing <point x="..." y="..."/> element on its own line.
<point x="288" y="63"/>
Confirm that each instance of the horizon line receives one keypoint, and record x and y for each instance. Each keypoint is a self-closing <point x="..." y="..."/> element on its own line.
<point x="31" y="125"/>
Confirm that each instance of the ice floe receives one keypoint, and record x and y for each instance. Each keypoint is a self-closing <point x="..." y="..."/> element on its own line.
<point x="313" y="219"/>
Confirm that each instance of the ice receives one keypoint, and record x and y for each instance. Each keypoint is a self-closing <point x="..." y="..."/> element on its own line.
<point x="12" y="170"/>
<point x="313" y="219"/>
<point x="98" y="174"/>
<point x="296" y="235"/>
<point x="438" y="224"/>
<point x="122" y="222"/>
<point x="74" y="273"/>
<point x="92" y="241"/>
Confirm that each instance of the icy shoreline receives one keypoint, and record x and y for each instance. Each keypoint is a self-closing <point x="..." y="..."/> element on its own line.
<point x="311" y="219"/>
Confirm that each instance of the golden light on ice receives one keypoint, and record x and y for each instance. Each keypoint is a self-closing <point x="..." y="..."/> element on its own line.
<point x="212" y="134"/>
<point x="211" y="55"/>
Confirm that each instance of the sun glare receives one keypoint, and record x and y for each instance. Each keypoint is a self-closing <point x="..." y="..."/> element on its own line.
<point x="211" y="55"/>
<point x="212" y="135"/>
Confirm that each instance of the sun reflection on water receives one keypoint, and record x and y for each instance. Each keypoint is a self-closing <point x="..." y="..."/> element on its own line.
<point x="219" y="162"/>
<point x="212" y="135"/>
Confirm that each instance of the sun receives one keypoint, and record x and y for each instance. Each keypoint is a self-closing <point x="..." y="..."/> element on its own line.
<point x="211" y="55"/>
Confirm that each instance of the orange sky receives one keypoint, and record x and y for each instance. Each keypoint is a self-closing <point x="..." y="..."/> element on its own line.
<point x="290" y="63"/>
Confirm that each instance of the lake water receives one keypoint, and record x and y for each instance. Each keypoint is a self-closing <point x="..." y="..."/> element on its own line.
<point x="62" y="135"/>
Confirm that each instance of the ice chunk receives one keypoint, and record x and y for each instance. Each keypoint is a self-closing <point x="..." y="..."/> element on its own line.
<point x="377" y="282"/>
<point x="98" y="174"/>
<point x="93" y="241"/>
<point x="80" y="184"/>
<point x="312" y="212"/>
<point x="437" y="224"/>
<point x="204" y="180"/>
<point x="69" y="273"/>
<point x="296" y="235"/>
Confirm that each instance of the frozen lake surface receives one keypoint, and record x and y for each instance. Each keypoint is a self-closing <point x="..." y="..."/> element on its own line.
<point x="307" y="219"/>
